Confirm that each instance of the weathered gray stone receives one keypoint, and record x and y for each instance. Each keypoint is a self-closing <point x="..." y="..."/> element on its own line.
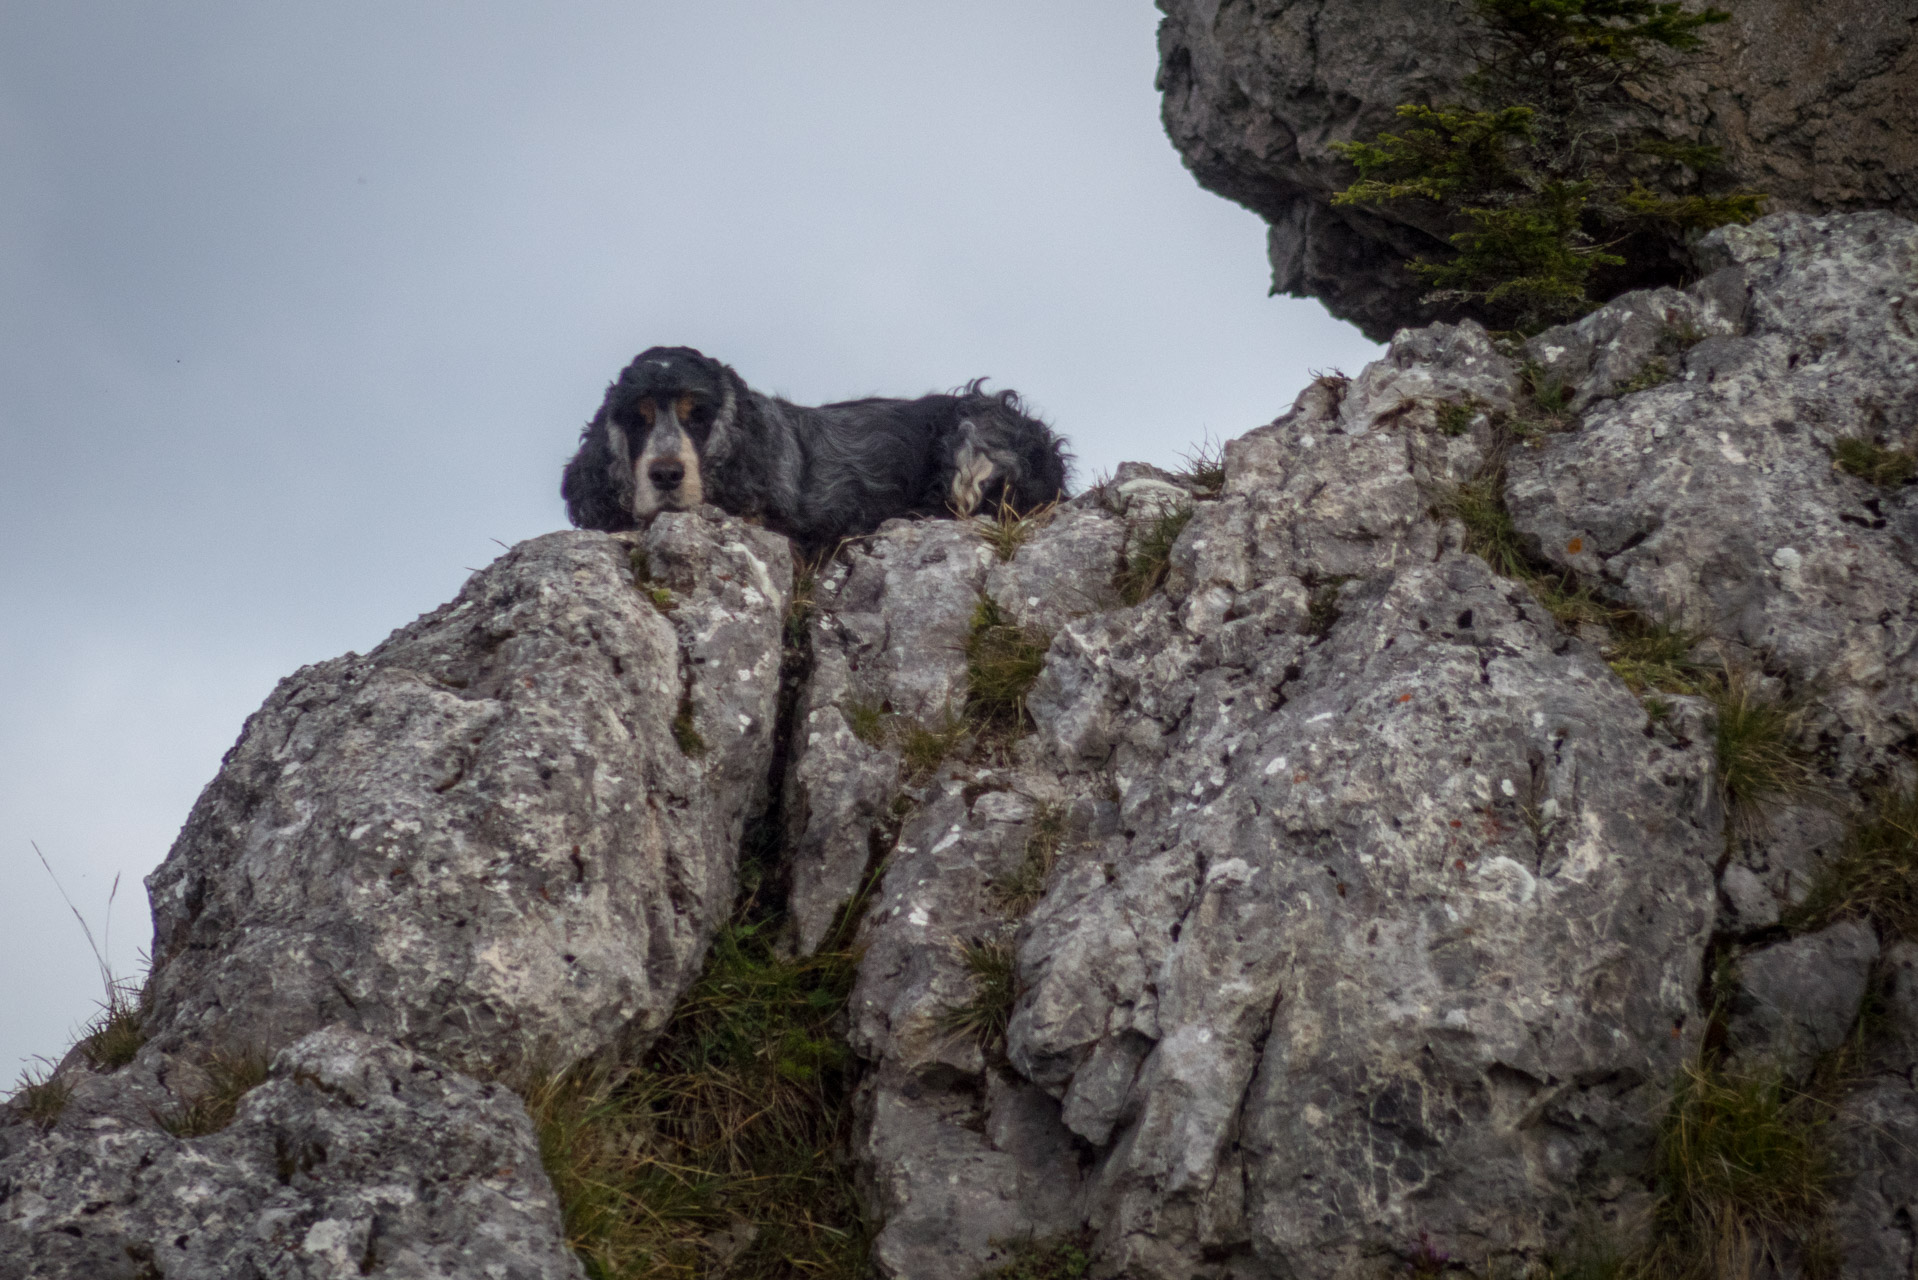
<point x="1811" y="103"/>
<point x="1711" y="501"/>
<point x="482" y="839"/>
<point x="1799" y="999"/>
<point x="355" y="1158"/>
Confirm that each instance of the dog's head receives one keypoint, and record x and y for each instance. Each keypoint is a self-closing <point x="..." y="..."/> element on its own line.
<point x="669" y="415"/>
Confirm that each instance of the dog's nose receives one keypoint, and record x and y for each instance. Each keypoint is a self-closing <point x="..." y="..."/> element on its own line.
<point x="666" y="475"/>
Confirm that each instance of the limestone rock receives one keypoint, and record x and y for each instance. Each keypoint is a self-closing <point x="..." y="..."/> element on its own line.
<point x="1810" y="103"/>
<point x="1711" y="500"/>
<point x="1798" y="999"/>
<point x="355" y="1158"/>
<point x="483" y="839"/>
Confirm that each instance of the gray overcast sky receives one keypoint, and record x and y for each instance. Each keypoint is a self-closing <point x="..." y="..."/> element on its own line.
<point x="302" y="307"/>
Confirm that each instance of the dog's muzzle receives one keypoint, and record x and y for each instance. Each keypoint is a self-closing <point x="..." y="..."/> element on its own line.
<point x="666" y="473"/>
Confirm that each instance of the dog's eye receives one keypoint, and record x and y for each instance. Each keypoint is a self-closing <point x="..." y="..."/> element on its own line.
<point x="701" y="416"/>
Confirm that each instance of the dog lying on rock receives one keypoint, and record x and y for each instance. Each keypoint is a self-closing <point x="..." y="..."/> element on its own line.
<point x="679" y="428"/>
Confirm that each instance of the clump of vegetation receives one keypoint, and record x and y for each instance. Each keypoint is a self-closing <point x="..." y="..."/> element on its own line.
<point x="1657" y="656"/>
<point x="867" y="720"/>
<point x="642" y="566"/>
<point x="722" y="1151"/>
<point x="685" y="732"/>
<point x="1006" y="530"/>
<point x="1759" y="754"/>
<point x="1545" y="404"/>
<point x="1741" y="1172"/>
<point x="1550" y="187"/>
<point x="799" y="609"/>
<point x="41" y="1096"/>
<point x="1059" y="1258"/>
<point x="1150" y="555"/>
<point x="1003" y="660"/>
<point x="1019" y="890"/>
<point x="1204" y="466"/>
<point x="1322" y="606"/>
<point x="1871" y="461"/>
<point x="925" y="745"/>
<point x="1479" y="505"/>
<point x="1654" y="372"/>
<point x="230" y="1077"/>
<point x="116" y="1034"/>
<point x="1876" y="875"/>
<point x="982" y="1017"/>
<point x="1455" y="417"/>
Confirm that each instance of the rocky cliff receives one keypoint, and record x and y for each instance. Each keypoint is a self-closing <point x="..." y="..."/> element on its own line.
<point x="1813" y="104"/>
<point x="1345" y="859"/>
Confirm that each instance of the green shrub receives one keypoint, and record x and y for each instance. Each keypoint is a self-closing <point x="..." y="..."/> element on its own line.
<point x="1544" y="185"/>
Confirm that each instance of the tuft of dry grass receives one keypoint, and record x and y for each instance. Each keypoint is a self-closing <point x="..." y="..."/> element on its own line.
<point x="1656" y="656"/>
<point x="230" y="1077"/>
<point x="1003" y="660"/>
<point x="1760" y="757"/>
<point x="1150" y="555"/>
<point x="1876" y="875"/>
<point x="1006" y="530"/>
<point x="1204" y="466"/>
<point x="1873" y="462"/>
<point x="1741" y="1174"/>
<point x="723" y="1151"/>
<point x="924" y="746"/>
<point x="1019" y="890"/>
<point x="982" y="1017"/>
<point x="41" y="1095"/>
<point x="116" y="1034"/>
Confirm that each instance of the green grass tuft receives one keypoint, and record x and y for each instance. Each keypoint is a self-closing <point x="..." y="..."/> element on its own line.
<point x="721" y="1153"/>
<point x="924" y="746"/>
<point x="1003" y="660"/>
<point x="982" y="1017"/>
<point x="1653" y="373"/>
<point x="867" y="720"/>
<point x="115" y="1037"/>
<point x="1868" y="461"/>
<point x="230" y="1077"/>
<point x="1455" y="417"/>
<point x="1875" y="877"/>
<point x="1060" y="1258"/>
<point x="1019" y="890"/>
<point x="1757" y="744"/>
<point x="1656" y="656"/>
<point x="1150" y="555"/>
<point x="1322" y="606"/>
<point x="685" y="734"/>
<point x="1489" y="532"/>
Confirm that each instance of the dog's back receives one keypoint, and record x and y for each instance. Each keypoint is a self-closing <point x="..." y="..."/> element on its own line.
<point x="679" y="428"/>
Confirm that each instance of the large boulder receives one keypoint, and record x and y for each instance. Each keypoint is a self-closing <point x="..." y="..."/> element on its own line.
<point x="1810" y="103"/>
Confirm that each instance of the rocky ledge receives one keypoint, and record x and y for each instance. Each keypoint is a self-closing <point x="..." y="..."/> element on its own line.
<point x="1335" y="883"/>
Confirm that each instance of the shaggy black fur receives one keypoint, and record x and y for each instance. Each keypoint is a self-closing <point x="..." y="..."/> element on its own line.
<point x="679" y="428"/>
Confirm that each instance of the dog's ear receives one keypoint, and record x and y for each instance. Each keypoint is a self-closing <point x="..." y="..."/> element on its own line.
<point x="726" y="435"/>
<point x="598" y="484"/>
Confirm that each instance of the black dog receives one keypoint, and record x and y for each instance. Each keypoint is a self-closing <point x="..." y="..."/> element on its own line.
<point x="679" y="428"/>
